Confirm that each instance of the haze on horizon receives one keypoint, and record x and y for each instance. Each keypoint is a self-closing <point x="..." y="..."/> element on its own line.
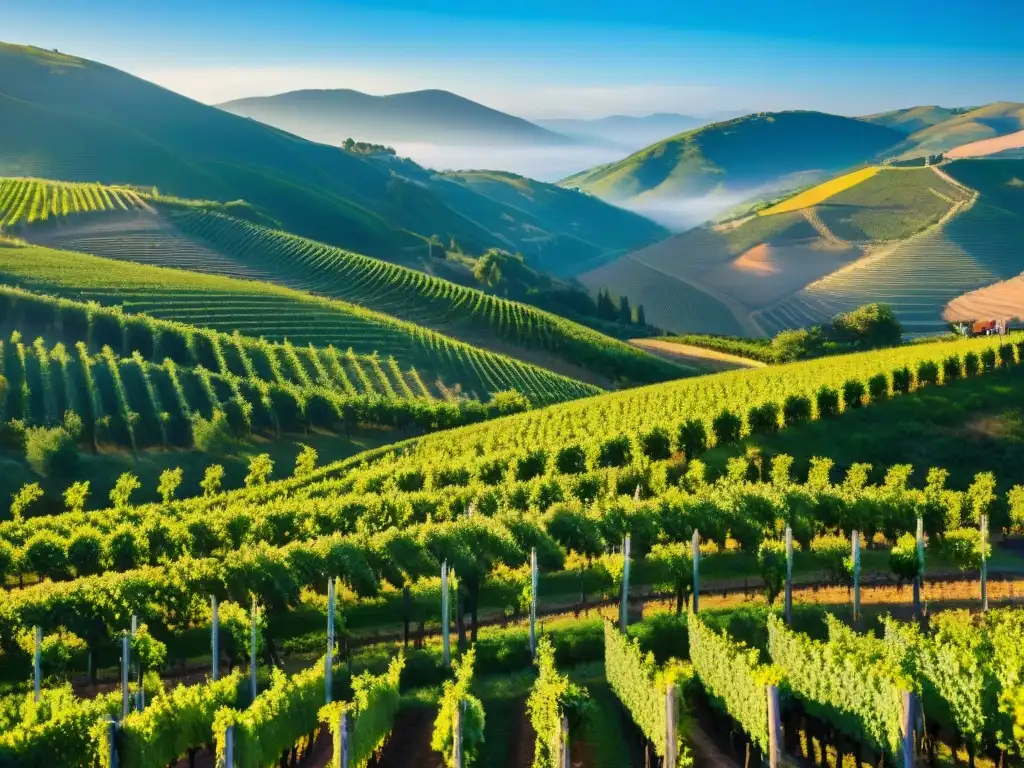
<point x="540" y="60"/>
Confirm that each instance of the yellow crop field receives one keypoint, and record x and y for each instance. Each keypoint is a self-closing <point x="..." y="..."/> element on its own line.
<point x="822" y="192"/>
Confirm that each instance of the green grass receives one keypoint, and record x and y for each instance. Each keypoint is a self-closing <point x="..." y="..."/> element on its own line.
<point x="971" y="426"/>
<point x="260" y="309"/>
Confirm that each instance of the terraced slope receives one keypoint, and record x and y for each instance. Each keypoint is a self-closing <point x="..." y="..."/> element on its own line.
<point x="761" y="267"/>
<point x="277" y="313"/>
<point x="977" y="244"/>
<point x="26" y="201"/>
<point x="478" y="318"/>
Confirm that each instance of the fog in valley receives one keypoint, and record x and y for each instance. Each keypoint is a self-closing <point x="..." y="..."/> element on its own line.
<point x="542" y="163"/>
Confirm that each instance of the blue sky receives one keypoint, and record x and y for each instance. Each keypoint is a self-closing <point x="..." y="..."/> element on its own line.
<point x="558" y="58"/>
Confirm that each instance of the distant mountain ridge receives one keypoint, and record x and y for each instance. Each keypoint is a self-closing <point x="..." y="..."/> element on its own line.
<point x="625" y="130"/>
<point x="432" y="116"/>
<point x="72" y="119"/>
<point x="740" y="154"/>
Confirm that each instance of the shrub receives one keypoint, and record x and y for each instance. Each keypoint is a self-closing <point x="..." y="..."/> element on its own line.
<point x="795" y="409"/>
<point x="260" y="469"/>
<point x="971" y="364"/>
<point x="448" y="477"/>
<point x="692" y="438"/>
<point x="507" y="403"/>
<point x="927" y="373"/>
<point x="615" y="452"/>
<point x="726" y="427"/>
<point x="45" y="556"/>
<point x="853" y="393"/>
<point x="1006" y="354"/>
<point x="127" y="548"/>
<point x="173" y="344"/>
<point x="764" y="418"/>
<point x="901" y="380"/>
<point x="827" y="400"/>
<point x="988" y="359"/>
<point x="50" y="451"/>
<point x="213" y="435"/>
<point x="12" y="435"/>
<point x="121" y="493"/>
<point x="571" y="460"/>
<point x="107" y="330"/>
<point x="656" y="444"/>
<point x="492" y="472"/>
<point x="138" y="336"/>
<point x="951" y="367"/>
<point x="86" y="552"/>
<point x="771" y="562"/>
<point x="878" y="387"/>
<point x="532" y="465"/>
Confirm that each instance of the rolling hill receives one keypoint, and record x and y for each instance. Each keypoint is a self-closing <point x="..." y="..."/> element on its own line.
<point x="987" y="122"/>
<point x="739" y="157"/>
<point x="914" y="238"/>
<point x="212" y="239"/>
<point x="72" y="119"/>
<point x="912" y="119"/>
<point x="432" y="116"/>
<point x="623" y="130"/>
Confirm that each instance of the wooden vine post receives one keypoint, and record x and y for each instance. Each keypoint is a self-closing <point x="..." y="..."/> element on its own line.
<point x="696" y="571"/>
<point x="671" y="726"/>
<point x="983" y="532"/>
<point x="329" y="661"/>
<point x="252" y="650"/>
<point x="343" y="737"/>
<point x="907" y="730"/>
<point x="855" y="557"/>
<point x="228" y="760"/>
<point x="214" y="639"/>
<point x="919" y="579"/>
<point x="37" y="662"/>
<point x="566" y="761"/>
<point x="533" y="603"/>
<point x="126" y="650"/>
<point x="789" y="575"/>
<point x="624" y="602"/>
<point x="445" y="640"/>
<point x="774" y="728"/>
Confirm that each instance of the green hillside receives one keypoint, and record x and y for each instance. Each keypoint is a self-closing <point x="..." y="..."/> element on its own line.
<point x="76" y="120"/>
<point x="203" y="237"/>
<point x="917" y="276"/>
<point x="986" y="122"/>
<point x="739" y="155"/>
<point x="277" y="313"/>
<point x="912" y="119"/>
<point x="728" y="278"/>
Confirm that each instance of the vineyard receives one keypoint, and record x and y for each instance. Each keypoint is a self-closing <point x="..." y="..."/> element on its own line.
<point x="26" y="201"/>
<point x="279" y="314"/>
<point x="467" y="313"/>
<point x="481" y="501"/>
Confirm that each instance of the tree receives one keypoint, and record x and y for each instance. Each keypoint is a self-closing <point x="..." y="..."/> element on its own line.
<point x="27" y="494"/>
<point x="641" y="318"/>
<point x="170" y="479"/>
<point x="212" y="479"/>
<point x="260" y="468"/>
<point x="126" y="485"/>
<point x="869" y="326"/>
<point x="86" y="552"/>
<point x="75" y="496"/>
<point x="981" y="495"/>
<point x="44" y="555"/>
<point x="305" y="462"/>
<point x="625" y="313"/>
<point x="49" y="451"/>
<point x="676" y="561"/>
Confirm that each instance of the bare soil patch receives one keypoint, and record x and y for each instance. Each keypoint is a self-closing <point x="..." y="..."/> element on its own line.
<point x="987" y="146"/>
<point x="1001" y="301"/>
<point x="699" y="357"/>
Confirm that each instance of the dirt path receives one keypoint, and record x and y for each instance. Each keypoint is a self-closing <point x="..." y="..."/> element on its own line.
<point x="409" y="744"/>
<point x="811" y="214"/>
<point x="711" y="359"/>
<point x="705" y="752"/>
